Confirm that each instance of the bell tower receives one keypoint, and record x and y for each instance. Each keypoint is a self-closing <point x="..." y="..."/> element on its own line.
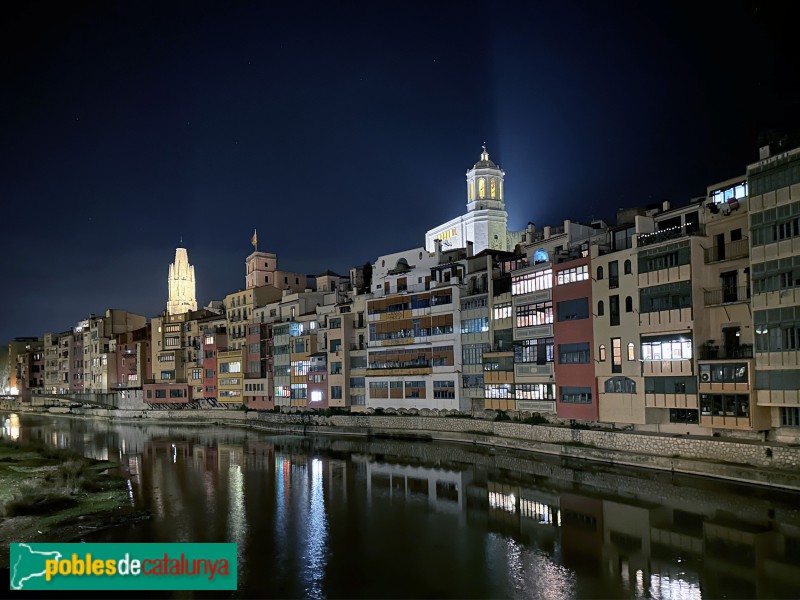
<point x="485" y="185"/>
<point x="181" y="284"/>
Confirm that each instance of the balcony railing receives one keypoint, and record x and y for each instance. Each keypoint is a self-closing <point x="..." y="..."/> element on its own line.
<point x="717" y="353"/>
<point x="673" y="233"/>
<point x="729" y="251"/>
<point x="727" y="295"/>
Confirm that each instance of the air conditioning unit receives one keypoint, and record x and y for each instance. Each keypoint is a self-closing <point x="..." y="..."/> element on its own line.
<point x="705" y="377"/>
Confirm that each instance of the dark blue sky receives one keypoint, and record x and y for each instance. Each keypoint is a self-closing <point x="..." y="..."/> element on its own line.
<point x="343" y="130"/>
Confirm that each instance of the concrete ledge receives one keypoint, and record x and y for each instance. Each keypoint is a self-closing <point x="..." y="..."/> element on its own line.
<point x="768" y="464"/>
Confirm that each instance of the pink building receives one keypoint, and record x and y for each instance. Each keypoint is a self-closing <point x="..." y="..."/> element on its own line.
<point x="573" y="334"/>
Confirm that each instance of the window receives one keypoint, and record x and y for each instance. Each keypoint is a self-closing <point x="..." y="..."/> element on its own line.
<point x="572" y="310"/>
<point x="415" y="389"/>
<point x="670" y="385"/>
<point x="536" y="391"/>
<point x="575" y="395"/>
<point x="682" y="415"/>
<point x="613" y="274"/>
<point x="628" y="304"/>
<point x="532" y="282"/>
<point x="356" y="382"/>
<point x="478" y="325"/>
<point x="529" y="315"/>
<point x="620" y="385"/>
<point x="670" y="296"/>
<point x="336" y="368"/>
<point x="670" y="347"/>
<point x="664" y="257"/>
<point x="209" y="373"/>
<point x="599" y="273"/>
<point x="613" y="303"/>
<point x="336" y="345"/>
<point x="616" y="355"/>
<point x="627" y="267"/>
<point x="502" y="311"/>
<point x="335" y="323"/>
<point x="197" y="373"/>
<point x="234" y="366"/>
<point x="573" y="353"/>
<point x="300" y="367"/>
<point x="161" y="393"/>
<point x="167" y="374"/>
<point x="444" y="389"/>
<point x="502" y="391"/>
<point x="472" y="354"/>
<point x="790" y="416"/>
<point x="725" y="405"/>
<point x="601" y="310"/>
<point x="631" y="352"/>
<point x="602" y="353"/>
<point x="537" y="350"/>
<point x="336" y="392"/>
<point x="572" y="275"/>
<point x="172" y="342"/>
<point x="723" y="373"/>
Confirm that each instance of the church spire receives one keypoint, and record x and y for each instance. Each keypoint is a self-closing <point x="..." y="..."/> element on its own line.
<point x="180" y="284"/>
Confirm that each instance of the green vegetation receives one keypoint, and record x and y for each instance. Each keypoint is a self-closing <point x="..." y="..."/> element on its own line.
<point x="53" y="493"/>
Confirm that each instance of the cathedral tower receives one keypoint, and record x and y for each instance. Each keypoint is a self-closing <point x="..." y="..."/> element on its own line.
<point x="181" y="284"/>
<point x="485" y="185"/>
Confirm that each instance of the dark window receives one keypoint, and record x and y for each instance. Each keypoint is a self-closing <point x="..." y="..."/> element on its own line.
<point x="620" y="385"/>
<point x="573" y="353"/>
<point x="613" y="303"/>
<point x="627" y="267"/>
<point x="571" y="310"/>
<point x="736" y="235"/>
<point x="575" y="395"/>
<point x="613" y="274"/>
<point x="601" y="309"/>
<point x="628" y="304"/>
<point x="682" y="415"/>
<point x="599" y="273"/>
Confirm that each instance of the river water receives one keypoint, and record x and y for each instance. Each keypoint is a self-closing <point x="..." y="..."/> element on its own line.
<point x="319" y="516"/>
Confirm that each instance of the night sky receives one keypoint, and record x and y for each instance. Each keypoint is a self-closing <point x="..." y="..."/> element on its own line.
<point x="343" y="130"/>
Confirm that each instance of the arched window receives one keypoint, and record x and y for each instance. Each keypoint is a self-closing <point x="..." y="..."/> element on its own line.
<point x="599" y="273"/>
<point x="472" y="190"/>
<point x="481" y="188"/>
<point x="627" y="267"/>
<point x="620" y="385"/>
<point x="628" y="304"/>
<point x="602" y="353"/>
<point x="601" y="309"/>
<point x="631" y="352"/>
<point x="501" y="189"/>
<point x="493" y="187"/>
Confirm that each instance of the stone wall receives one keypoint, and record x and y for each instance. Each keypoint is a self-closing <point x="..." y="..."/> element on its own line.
<point x="759" y="454"/>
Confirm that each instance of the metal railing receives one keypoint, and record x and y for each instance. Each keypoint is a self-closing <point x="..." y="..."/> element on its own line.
<point x="717" y="353"/>
<point x="729" y="251"/>
<point x="726" y="295"/>
<point x="673" y="233"/>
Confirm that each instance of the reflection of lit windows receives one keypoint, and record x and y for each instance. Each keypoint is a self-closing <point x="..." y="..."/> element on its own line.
<point x="506" y="502"/>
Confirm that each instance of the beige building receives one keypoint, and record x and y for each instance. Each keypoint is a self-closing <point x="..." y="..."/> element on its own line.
<point x="774" y="187"/>
<point x="100" y="364"/>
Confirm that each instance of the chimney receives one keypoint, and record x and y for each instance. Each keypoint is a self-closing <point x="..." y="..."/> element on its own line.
<point x="438" y="250"/>
<point x="763" y="152"/>
<point x="666" y="205"/>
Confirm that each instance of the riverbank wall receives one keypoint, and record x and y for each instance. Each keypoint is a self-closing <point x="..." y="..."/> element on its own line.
<point x="763" y="463"/>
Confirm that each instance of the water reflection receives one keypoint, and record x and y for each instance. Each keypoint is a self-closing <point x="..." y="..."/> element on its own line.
<point x="319" y="517"/>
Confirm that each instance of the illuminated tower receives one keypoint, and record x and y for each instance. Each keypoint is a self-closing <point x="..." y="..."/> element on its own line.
<point x="181" y="284"/>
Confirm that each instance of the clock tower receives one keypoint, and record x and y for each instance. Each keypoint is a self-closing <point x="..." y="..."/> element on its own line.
<point x="485" y="185"/>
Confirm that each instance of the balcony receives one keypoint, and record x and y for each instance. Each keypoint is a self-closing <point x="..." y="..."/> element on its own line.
<point x="673" y="233"/>
<point x="726" y="295"/>
<point x="729" y="251"/>
<point x="710" y="352"/>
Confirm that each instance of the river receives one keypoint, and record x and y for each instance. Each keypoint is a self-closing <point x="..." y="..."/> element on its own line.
<point x="320" y="516"/>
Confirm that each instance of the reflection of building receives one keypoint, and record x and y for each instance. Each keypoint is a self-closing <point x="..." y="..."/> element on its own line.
<point x="443" y="489"/>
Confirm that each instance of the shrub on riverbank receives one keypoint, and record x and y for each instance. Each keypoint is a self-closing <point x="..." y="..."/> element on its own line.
<point x="33" y="499"/>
